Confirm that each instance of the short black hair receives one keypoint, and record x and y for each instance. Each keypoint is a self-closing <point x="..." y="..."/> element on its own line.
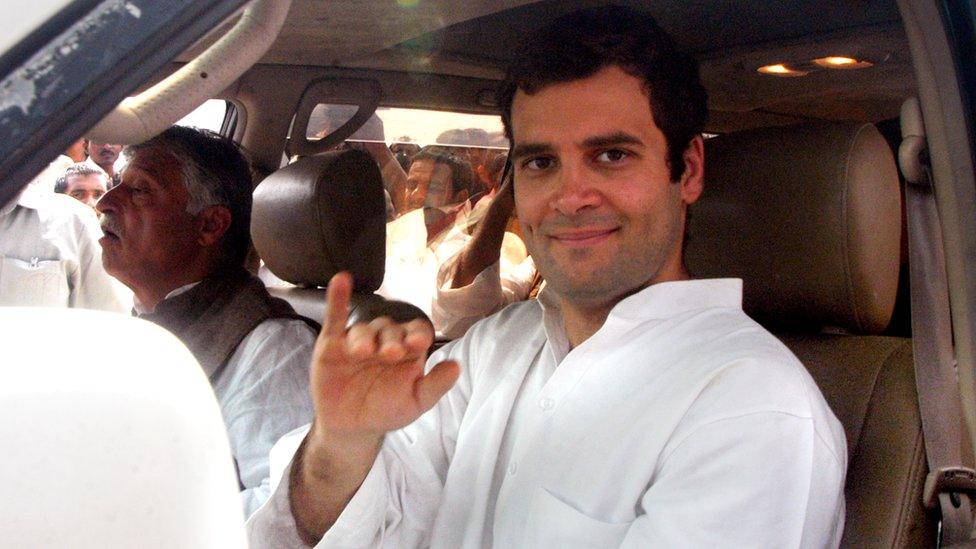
<point x="462" y="175"/>
<point x="215" y="172"/>
<point x="578" y="45"/>
<point x="79" y="169"/>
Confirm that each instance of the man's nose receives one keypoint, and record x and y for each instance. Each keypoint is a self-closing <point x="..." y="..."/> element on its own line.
<point x="107" y="202"/>
<point x="574" y="190"/>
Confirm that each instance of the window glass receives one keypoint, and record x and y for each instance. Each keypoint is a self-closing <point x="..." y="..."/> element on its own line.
<point x="209" y="115"/>
<point x="422" y="127"/>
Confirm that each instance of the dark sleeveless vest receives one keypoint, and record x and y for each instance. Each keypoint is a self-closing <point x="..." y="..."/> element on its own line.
<point x="213" y="317"/>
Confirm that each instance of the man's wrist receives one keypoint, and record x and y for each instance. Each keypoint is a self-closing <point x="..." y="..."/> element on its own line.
<point x="325" y="475"/>
<point x="327" y="451"/>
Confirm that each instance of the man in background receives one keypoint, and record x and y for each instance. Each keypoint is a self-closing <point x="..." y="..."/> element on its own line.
<point x="104" y="156"/>
<point x="83" y="183"/>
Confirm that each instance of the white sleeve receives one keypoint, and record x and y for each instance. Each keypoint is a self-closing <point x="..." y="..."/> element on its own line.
<point x="397" y="502"/>
<point x="454" y="310"/>
<point x="763" y="479"/>
<point x="266" y="397"/>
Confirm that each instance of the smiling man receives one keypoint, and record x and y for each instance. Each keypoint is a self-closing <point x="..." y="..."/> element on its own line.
<point x="628" y="406"/>
<point x="176" y="233"/>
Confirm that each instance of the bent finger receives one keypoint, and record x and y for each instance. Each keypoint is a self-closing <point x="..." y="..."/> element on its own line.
<point x="419" y="335"/>
<point x="361" y="341"/>
<point x="391" y="341"/>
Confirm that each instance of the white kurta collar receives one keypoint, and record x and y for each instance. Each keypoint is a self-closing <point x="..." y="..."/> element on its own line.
<point x="656" y="302"/>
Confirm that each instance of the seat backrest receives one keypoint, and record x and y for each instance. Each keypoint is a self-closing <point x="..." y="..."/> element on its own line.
<point x="112" y="437"/>
<point x="318" y="216"/>
<point x="809" y="216"/>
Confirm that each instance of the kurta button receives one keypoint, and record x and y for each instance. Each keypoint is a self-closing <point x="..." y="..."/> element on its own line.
<point x="512" y="468"/>
<point x="547" y="404"/>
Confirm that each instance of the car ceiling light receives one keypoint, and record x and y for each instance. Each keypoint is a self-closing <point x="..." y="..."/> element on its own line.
<point x="780" y="69"/>
<point x="838" y="62"/>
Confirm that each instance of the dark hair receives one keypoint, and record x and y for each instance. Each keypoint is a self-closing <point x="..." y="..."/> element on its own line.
<point x="462" y="176"/>
<point x="78" y="169"/>
<point x="214" y="172"/>
<point x="578" y="45"/>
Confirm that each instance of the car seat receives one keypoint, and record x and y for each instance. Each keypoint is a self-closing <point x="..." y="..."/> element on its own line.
<point x="809" y="216"/>
<point x="112" y="437"/>
<point x="318" y="216"/>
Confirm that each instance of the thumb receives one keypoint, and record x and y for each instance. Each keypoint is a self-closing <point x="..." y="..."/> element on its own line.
<point x="430" y="388"/>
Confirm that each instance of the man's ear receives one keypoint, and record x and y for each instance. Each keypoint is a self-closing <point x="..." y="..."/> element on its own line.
<point x="693" y="179"/>
<point x="461" y="196"/>
<point x="212" y="223"/>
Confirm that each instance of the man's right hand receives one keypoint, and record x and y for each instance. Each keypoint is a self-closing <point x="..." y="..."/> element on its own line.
<point x="365" y="381"/>
<point x="370" y="379"/>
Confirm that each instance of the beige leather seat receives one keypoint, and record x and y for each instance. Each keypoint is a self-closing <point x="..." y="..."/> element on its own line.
<point x="810" y="217"/>
<point x="316" y="217"/>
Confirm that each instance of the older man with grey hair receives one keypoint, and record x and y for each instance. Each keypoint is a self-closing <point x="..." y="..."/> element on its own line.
<point x="177" y="233"/>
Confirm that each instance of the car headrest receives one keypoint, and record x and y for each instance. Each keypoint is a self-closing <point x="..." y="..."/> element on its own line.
<point x="106" y="449"/>
<point x="809" y="217"/>
<point x="321" y="215"/>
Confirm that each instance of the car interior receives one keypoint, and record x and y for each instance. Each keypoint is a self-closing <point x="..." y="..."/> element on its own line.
<point x="804" y="191"/>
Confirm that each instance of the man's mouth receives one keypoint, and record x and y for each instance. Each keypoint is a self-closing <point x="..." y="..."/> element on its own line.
<point x="583" y="237"/>
<point x="109" y="229"/>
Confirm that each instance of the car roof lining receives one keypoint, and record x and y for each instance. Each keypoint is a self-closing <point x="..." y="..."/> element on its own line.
<point x="438" y="37"/>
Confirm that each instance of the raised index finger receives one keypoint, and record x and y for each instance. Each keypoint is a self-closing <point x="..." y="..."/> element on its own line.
<point x="337" y="305"/>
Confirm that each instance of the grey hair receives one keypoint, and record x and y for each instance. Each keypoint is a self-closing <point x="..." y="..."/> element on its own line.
<point x="200" y="188"/>
<point x="215" y="173"/>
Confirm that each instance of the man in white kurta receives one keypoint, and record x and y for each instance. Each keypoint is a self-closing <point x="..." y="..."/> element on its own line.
<point x="629" y="406"/>
<point x="630" y="439"/>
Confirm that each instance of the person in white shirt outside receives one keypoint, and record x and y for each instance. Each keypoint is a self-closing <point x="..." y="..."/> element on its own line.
<point x="176" y="231"/>
<point x="83" y="183"/>
<point x="49" y="255"/>
<point x="492" y="269"/>
<point x="431" y="230"/>
<point x="628" y="406"/>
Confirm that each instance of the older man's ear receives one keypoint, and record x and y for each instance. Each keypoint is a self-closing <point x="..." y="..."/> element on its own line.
<point x="212" y="223"/>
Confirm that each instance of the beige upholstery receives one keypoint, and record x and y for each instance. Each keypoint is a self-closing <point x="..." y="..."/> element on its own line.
<point x="316" y="217"/>
<point x="811" y="211"/>
<point x="809" y="216"/>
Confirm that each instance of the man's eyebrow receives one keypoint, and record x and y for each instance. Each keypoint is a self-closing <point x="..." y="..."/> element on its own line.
<point x="610" y="140"/>
<point x="528" y="149"/>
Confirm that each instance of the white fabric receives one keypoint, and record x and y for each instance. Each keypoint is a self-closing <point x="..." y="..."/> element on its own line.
<point x="263" y="394"/>
<point x="50" y="256"/>
<point x="422" y="274"/>
<point x="47" y="179"/>
<point x="412" y="263"/>
<point x="454" y="310"/>
<point x="681" y="422"/>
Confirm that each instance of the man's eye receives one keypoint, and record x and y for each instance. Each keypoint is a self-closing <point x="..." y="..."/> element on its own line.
<point x="612" y="155"/>
<point x="538" y="163"/>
